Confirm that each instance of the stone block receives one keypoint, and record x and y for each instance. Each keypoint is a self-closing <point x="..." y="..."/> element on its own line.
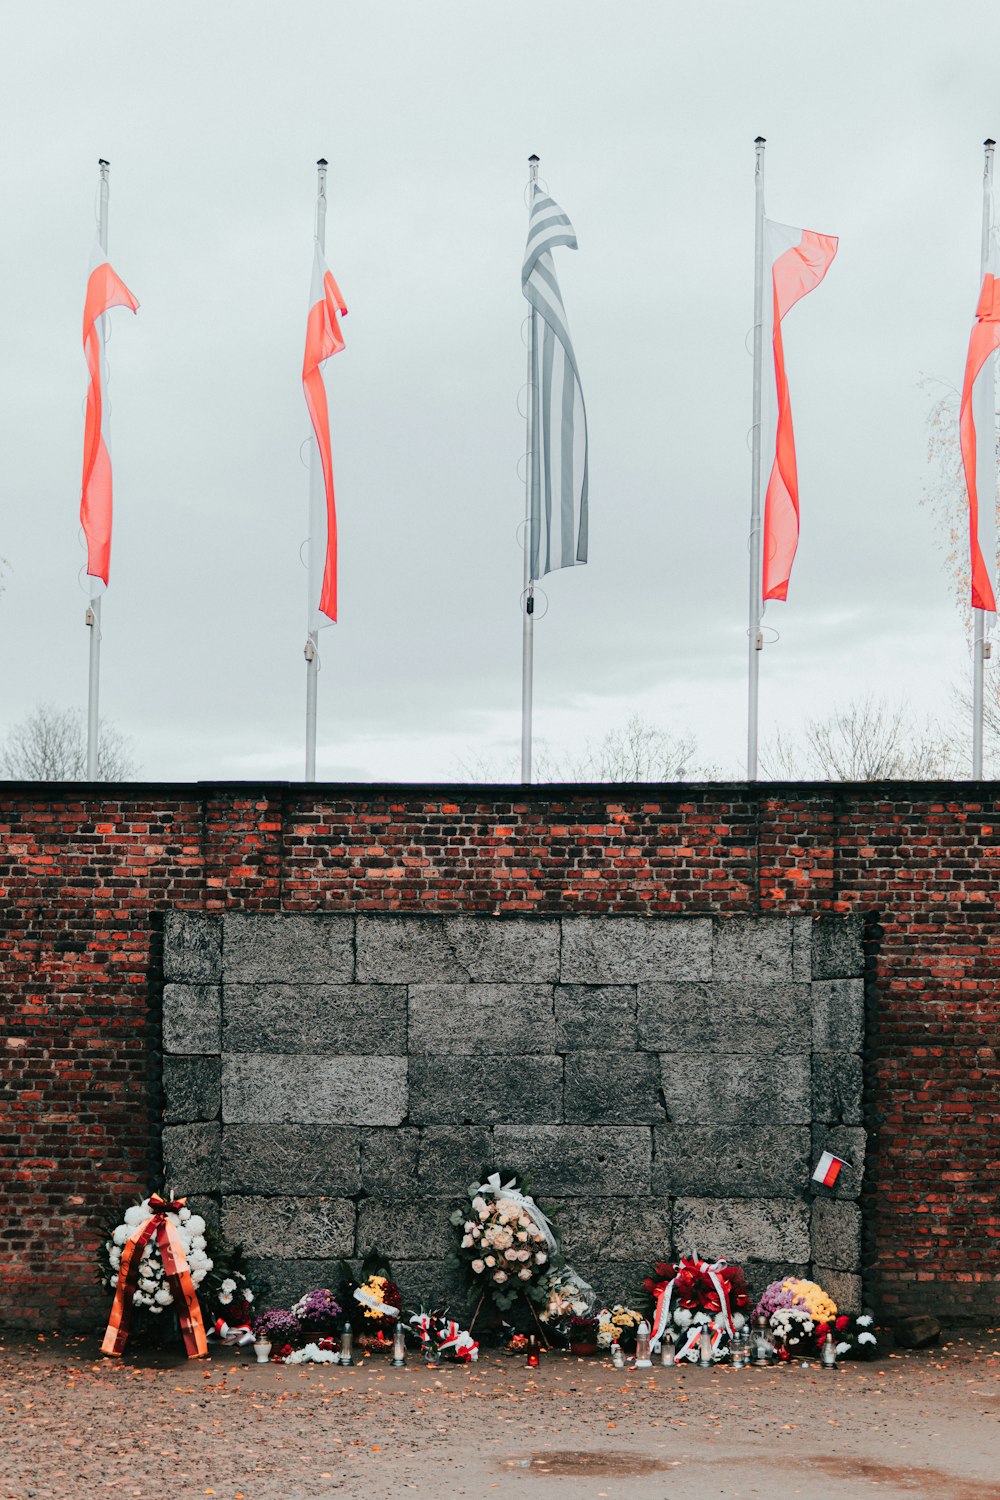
<point x="433" y="1283"/>
<point x="615" y="1280"/>
<point x="842" y="1287"/>
<point x="452" y="1157"/>
<point x="627" y="950"/>
<point x="802" y="948"/>
<point x="613" y="1088"/>
<point x="417" y="1227"/>
<point x="286" y="947"/>
<point x="346" y="1019"/>
<point x="616" y="1229"/>
<point x="837" y="951"/>
<point x="710" y="1088"/>
<point x="760" y="1273"/>
<point x="848" y="1142"/>
<point x="596" y="1016"/>
<point x="470" y="1019"/>
<point x="755" y="950"/>
<point x="838" y="1015"/>
<point x="267" y="1089"/>
<point x="190" y="1089"/>
<point x="192" y="1018"/>
<point x="729" y="1161"/>
<point x="566" y="1161"/>
<point x="191" y="1158"/>
<point x="390" y="1161"/>
<point x="408" y="950"/>
<point x="307" y="1160"/>
<point x="277" y="1282"/>
<point x="506" y="950"/>
<point x="192" y="948"/>
<point x="290" y="1228"/>
<point x="741" y="1228"/>
<point x="762" y="1019"/>
<point x="836" y="1088"/>
<point x="836" y="1235"/>
<point x="481" y="1090"/>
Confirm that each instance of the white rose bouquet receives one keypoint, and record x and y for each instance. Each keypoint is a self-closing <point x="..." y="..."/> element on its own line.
<point x="506" y="1244"/>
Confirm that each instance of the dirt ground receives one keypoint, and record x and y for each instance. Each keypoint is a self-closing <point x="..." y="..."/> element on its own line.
<point x="911" y="1425"/>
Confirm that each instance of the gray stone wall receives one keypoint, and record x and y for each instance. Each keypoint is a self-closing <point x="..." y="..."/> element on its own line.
<point x="332" y="1083"/>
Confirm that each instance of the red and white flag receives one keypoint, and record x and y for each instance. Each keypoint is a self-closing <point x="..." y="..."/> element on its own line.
<point x="323" y="339"/>
<point x="798" y="260"/>
<point x="828" y="1169"/>
<point x="977" y="431"/>
<point x="105" y="290"/>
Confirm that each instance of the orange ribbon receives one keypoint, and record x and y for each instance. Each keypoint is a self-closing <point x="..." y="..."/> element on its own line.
<point x="175" y="1267"/>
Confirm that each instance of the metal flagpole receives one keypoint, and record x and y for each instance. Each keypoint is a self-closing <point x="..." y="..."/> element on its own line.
<point x="980" y="647"/>
<point x="755" y="636"/>
<point x="93" y="615"/>
<point x="315" y="478"/>
<point x="528" y="595"/>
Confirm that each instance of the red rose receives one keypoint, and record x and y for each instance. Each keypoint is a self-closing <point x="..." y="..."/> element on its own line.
<point x="841" y="1323"/>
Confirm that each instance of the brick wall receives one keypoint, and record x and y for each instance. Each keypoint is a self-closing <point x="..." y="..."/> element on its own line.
<point x="86" y="877"/>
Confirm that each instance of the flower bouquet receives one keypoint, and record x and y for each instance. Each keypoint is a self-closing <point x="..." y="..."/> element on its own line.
<point x="799" y="1314"/>
<point x="281" y="1329"/>
<point x="378" y="1295"/>
<point x="563" y="1296"/>
<point x="853" y="1337"/>
<point x="618" y="1325"/>
<point x="318" y="1311"/>
<point x="583" y="1335"/>
<point x="506" y="1243"/>
<point x="691" y="1295"/>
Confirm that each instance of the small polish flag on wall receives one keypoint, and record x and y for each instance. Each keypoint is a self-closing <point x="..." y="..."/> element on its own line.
<point x="828" y="1169"/>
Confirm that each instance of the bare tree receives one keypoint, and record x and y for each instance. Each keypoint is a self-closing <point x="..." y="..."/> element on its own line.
<point x="51" y="745"/>
<point x="639" y="751"/>
<point x="867" y="739"/>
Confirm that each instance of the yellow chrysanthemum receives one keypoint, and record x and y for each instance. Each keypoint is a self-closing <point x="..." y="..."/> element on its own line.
<point x="808" y="1294"/>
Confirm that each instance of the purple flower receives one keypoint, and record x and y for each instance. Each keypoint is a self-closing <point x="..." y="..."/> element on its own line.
<point x="279" y="1326"/>
<point x="775" y="1296"/>
<point x="318" y="1310"/>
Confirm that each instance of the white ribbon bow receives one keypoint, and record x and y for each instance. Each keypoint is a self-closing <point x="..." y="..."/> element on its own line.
<point x="510" y="1192"/>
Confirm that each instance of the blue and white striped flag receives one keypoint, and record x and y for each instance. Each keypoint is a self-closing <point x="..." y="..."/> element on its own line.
<point x="558" y="418"/>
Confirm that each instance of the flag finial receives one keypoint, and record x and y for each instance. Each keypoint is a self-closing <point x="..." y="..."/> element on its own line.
<point x="533" y="157"/>
<point x="102" y="163"/>
<point x="322" y="162"/>
<point x="760" y="140"/>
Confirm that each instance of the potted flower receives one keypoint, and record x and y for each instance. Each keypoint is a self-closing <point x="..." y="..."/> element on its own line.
<point x="583" y="1335"/>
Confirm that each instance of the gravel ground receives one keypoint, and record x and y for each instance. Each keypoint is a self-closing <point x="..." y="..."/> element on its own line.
<point x="912" y="1425"/>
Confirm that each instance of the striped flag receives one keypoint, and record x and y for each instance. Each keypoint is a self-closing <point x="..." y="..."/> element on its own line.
<point x="978" y="435"/>
<point x="323" y="340"/>
<point x="558" y="418"/>
<point x="104" y="290"/>
<point x="798" y="260"/>
<point x="828" y="1169"/>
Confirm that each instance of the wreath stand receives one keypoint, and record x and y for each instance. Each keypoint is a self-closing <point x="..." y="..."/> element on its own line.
<point x="543" y="1337"/>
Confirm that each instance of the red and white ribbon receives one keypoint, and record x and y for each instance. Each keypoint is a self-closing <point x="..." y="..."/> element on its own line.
<point x="661" y="1314"/>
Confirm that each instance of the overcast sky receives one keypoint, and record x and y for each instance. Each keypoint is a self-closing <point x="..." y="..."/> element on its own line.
<point x="644" y="116"/>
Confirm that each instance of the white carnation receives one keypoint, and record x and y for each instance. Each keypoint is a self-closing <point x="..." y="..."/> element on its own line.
<point x="197" y="1277"/>
<point x="225" y="1298"/>
<point x="843" y="1348"/>
<point x="115" y="1257"/>
<point x="113" y="1282"/>
<point x="229" y="1285"/>
<point x="866" y="1338"/>
<point x="247" y="1294"/>
<point x="864" y="1320"/>
<point x="164" y="1296"/>
<point x="198" y="1242"/>
<point x="682" y="1317"/>
<point x="184" y="1214"/>
<point x="135" y="1215"/>
<point x="196" y="1224"/>
<point x="121" y="1234"/>
<point x="147" y="1284"/>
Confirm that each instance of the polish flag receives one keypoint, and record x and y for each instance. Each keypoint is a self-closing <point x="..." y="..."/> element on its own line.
<point x="799" y="259"/>
<point x="323" y="339"/>
<point x="828" y="1169"/>
<point x="977" y="431"/>
<point x="105" y="290"/>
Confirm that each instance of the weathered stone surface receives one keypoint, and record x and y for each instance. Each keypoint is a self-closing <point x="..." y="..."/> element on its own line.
<point x="756" y="950"/>
<point x="758" y="1228"/>
<point x="731" y="1016"/>
<point x="802" y="948"/>
<point x="711" y="1088"/>
<point x="453" y="1156"/>
<point x="729" y="1161"/>
<point x="192" y="948"/>
<point x="313" y="1090"/>
<point x="848" y="1142"/>
<point x="390" y="1161"/>
<point x="842" y="1287"/>
<point x="615" y="1280"/>
<point x="837" y="952"/>
<point x="612" y="1088"/>
<point x="192" y="1018"/>
<point x="480" y="1090"/>
<point x="836" y="1235"/>
<point x="191" y="1158"/>
<point x="508" y="950"/>
<point x="622" y="1229"/>
<point x="398" y="1228"/>
<point x="596" y="1016"/>
<point x="190" y="1089"/>
<point x="760" y="1273"/>
<point x="838" y="1015"/>
<point x="587" y="1160"/>
<point x="280" y="1283"/>
<point x="470" y="1019"/>
<point x="433" y="1283"/>
<point x="308" y="1160"/>
<point x="408" y="950"/>
<point x="836" y="1088"/>
<point x="290" y="1228"/>
<point x="286" y="947"/>
<point x="347" y="1019"/>
<point x="626" y="950"/>
<point x="917" y="1331"/>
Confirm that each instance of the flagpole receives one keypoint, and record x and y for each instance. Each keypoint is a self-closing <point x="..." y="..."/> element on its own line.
<point x="315" y="472"/>
<point x="93" y="615"/>
<point x="528" y="594"/>
<point x="755" y="637"/>
<point x="980" y="649"/>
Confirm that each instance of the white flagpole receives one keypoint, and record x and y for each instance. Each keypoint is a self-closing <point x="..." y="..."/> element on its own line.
<point x="93" y="615"/>
<point x="755" y="636"/>
<point x="980" y="648"/>
<point x="528" y="595"/>
<point x="315" y="478"/>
